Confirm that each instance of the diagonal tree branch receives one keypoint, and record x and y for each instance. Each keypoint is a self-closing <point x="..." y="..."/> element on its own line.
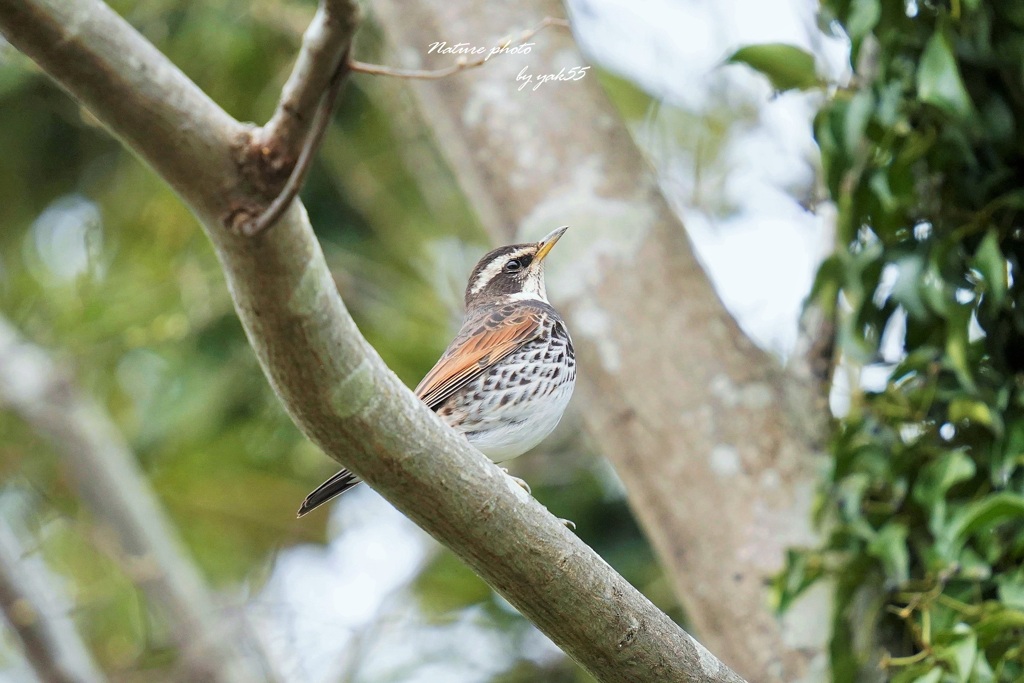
<point x="332" y="383"/>
<point x="213" y="647"/>
<point x="32" y="606"/>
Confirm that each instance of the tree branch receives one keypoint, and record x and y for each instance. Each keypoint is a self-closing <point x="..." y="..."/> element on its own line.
<point x="213" y="646"/>
<point x="332" y="383"/>
<point x="291" y="138"/>
<point x="34" y="611"/>
<point x="321" y="120"/>
<point x="289" y="120"/>
<point x="324" y="46"/>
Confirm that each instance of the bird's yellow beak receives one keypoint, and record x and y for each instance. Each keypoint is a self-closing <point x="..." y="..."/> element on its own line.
<point x="548" y="242"/>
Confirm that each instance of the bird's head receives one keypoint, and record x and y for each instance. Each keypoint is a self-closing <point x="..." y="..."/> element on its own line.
<point x="512" y="272"/>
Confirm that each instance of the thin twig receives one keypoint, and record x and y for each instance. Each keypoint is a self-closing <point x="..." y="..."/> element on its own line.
<point x="293" y="133"/>
<point x="461" y="64"/>
<point x="291" y="188"/>
<point x="325" y="45"/>
<point x="325" y="108"/>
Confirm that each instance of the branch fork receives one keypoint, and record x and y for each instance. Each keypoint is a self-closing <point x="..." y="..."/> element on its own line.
<point x="294" y="133"/>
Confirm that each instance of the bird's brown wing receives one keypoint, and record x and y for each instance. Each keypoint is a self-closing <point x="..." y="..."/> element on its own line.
<point x="482" y="342"/>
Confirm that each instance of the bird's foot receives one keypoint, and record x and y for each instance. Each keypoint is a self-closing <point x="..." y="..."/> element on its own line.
<point x="569" y="524"/>
<point x="521" y="482"/>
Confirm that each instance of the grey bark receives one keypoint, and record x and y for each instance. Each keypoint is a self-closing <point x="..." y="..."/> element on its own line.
<point x="214" y="644"/>
<point x="713" y="441"/>
<point x="36" y="609"/>
<point x="332" y="383"/>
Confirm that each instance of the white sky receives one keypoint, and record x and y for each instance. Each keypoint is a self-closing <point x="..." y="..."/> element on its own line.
<point x="762" y="257"/>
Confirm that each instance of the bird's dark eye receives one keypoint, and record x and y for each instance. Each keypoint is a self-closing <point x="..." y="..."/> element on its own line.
<point x="513" y="265"/>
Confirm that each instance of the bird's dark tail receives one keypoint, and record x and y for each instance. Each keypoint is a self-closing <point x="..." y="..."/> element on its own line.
<point x="333" y="487"/>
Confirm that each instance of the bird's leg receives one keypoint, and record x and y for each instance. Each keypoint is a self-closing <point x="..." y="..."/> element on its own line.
<point x="569" y="524"/>
<point x="521" y="482"/>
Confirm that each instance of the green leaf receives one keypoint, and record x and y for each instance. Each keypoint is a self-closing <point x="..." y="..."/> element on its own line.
<point x="856" y="120"/>
<point x="907" y="288"/>
<point x="936" y="479"/>
<point x="12" y="78"/>
<point x="935" y="291"/>
<point x="864" y="14"/>
<point x="827" y="282"/>
<point x="1011" y="591"/>
<point x="986" y="513"/>
<point x="989" y="261"/>
<point x="982" y="672"/>
<point x="802" y="569"/>
<point x="632" y="102"/>
<point x="933" y="676"/>
<point x="879" y="185"/>
<point x="958" y="342"/>
<point x="964" y="651"/>
<point x="890" y="546"/>
<point x="938" y="79"/>
<point x="786" y="66"/>
<point x="974" y="411"/>
<point x="1000" y="623"/>
<point x="949" y="470"/>
<point x="973" y="566"/>
<point x="1007" y="454"/>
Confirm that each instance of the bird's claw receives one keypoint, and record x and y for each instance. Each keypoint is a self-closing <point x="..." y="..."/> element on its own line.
<point x="569" y="524"/>
<point x="521" y="482"/>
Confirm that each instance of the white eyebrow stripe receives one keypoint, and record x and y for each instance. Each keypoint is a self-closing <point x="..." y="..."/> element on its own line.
<point x="494" y="268"/>
<point x="486" y="275"/>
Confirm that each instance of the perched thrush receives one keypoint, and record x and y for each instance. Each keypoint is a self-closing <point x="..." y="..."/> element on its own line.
<point x="506" y="378"/>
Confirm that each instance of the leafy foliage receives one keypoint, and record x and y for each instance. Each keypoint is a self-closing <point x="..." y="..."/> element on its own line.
<point x="786" y="66"/>
<point x="924" y="156"/>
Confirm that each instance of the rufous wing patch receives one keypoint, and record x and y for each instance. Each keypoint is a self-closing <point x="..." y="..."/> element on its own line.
<point x="477" y="348"/>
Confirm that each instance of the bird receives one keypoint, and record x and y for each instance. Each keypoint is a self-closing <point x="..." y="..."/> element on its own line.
<point x="505" y="380"/>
